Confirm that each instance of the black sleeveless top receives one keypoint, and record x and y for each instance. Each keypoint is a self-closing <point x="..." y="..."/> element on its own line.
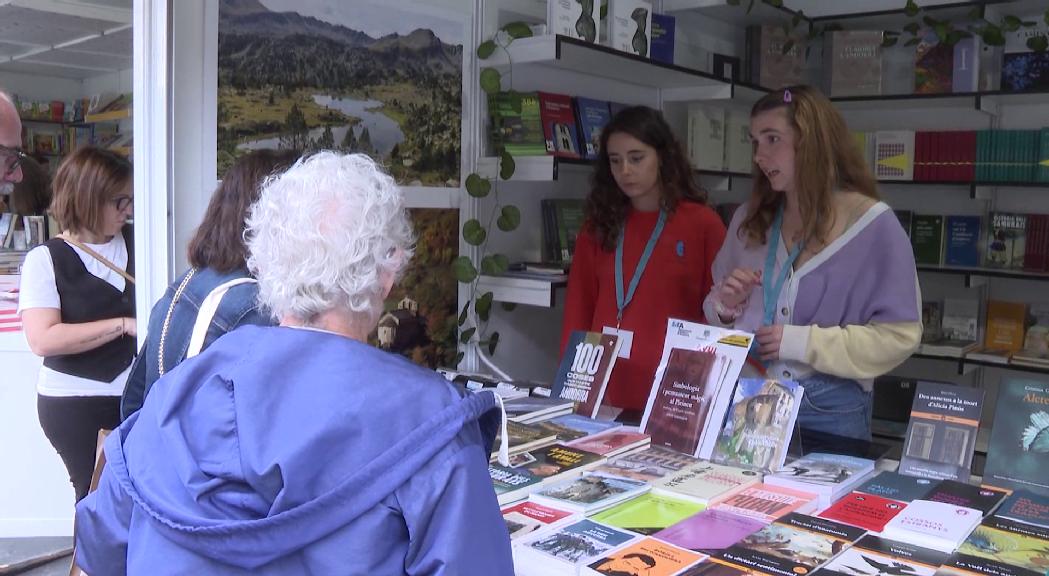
<point x="86" y="298"/>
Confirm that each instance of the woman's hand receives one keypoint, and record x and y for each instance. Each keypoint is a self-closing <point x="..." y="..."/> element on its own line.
<point x="769" y="339"/>
<point x="736" y="287"/>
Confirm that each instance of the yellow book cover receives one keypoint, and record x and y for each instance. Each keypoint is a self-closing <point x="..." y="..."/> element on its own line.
<point x="1005" y="325"/>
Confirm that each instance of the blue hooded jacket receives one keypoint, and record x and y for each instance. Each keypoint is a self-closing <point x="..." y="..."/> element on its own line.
<point x="290" y="451"/>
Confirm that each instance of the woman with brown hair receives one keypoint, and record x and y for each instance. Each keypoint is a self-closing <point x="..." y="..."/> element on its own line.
<point x="816" y="265"/>
<point x="77" y="303"/>
<point x="643" y="254"/>
<point x="218" y="261"/>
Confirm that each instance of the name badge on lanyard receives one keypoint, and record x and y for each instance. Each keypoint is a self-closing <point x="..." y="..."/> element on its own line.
<point x="623" y="298"/>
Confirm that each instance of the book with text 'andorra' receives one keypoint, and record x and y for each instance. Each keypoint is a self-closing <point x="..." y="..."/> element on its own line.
<point x="941" y="436"/>
<point x="795" y="544"/>
<point x="766" y="503"/>
<point x="648" y="513"/>
<point x="511" y="485"/>
<point x="1026" y="507"/>
<point x="897" y="486"/>
<point x="1018" y="454"/>
<point x="526" y="517"/>
<point x="866" y="511"/>
<point x="875" y="556"/>
<point x="828" y="475"/>
<point x="706" y="483"/>
<point x="647" y="465"/>
<point x="760" y="424"/>
<point x="710" y="531"/>
<point x="1000" y="547"/>
<point x="654" y="557"/>
<point x="585" y="368"/>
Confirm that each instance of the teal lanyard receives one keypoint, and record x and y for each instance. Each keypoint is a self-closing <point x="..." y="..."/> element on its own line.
<point x="622" y="301"/>
<point x="774" y="285"/>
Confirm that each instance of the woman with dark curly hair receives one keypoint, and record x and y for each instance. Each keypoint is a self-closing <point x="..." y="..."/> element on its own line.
<point x="644" y="253"/>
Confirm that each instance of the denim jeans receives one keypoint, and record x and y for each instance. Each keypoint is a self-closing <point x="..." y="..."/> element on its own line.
<point x="835" y="406"/>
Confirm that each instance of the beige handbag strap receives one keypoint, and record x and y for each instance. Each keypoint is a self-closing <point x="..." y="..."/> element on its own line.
<point x="99" y="257"/>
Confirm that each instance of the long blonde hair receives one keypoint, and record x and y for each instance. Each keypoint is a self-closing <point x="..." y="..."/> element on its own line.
<point x="826" y="159"/>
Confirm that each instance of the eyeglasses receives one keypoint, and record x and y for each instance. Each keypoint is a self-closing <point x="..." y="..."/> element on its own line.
<point x="13" y="158"/>
<point x="122" y="202"/>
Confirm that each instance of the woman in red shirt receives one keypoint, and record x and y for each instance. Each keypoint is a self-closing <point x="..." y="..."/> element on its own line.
<point x="644" y="210"/>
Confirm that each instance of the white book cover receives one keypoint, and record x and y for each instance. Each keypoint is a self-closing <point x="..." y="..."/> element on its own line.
<point x="739" y="154"/>
<point x="589" y="493"/>
<point x="961" y="319"/>
<point x="564" y="550"/>
<point x="894" y="155"/>
<point x="706" y="137"/>
<point x="630" y="26"/>
<point x="829" y="475"/>
<point x="731" y="347"/>
<point x="573" y="18"/>
<point x="935" y="525"/>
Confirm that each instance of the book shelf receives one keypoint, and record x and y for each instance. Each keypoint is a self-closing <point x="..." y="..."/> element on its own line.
<point x="982" y="272"/>
<point x="963" y="362"/>
<point x="516" y="290"/>
<point x="986" y="101"/>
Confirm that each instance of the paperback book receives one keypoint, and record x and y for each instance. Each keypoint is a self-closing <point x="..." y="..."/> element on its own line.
<point x="865" y="511"/>
<point x="897" y="486"/>
<point x="1025" y="507"/>
<point x="647" y="465"/>
<point x="706" y="483"/>
<point x="983" y="498"/>
<point x="648" y="513"/>
<point x="511" y="485"/>
<point x="527" y="517"/>
<point x="827" y="475"/>
<point x="573" y="426"/>
<point x="760" y="424"/>
<point x="573" y="19"/>
<point x="935" y="525"/>
<point x="679" y="410"/>
<point x="1018" y="454"/>
<point x="562" y="550"/>
<point x="585" y="369"/>
<point x="647" y="556"/>
<point x="767" y="503"/>
<point x="941" y="435"/>
<point x="559" y="126"/>
<point x="1001" y="547"/>
<point x="612" y="442"/>
<point x="630" y="26"/>
<point x="875" y="556"/>
<point x="710" y="531"/>
<point x="592" y="115"/>
<point x="555" y="462"/>
<point x="795" y="544"/>
<point x="589" y="493"/>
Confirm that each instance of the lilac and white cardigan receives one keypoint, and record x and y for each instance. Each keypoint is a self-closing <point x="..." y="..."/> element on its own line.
<point x="853" y="310"/>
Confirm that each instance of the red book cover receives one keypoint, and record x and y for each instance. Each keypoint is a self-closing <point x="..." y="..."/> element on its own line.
<point x="1034" y="254"/>
<point x="935" y="157"/>
<point x="970" y="156"/>
<point x="680" y="411"/>
<point x="559" y="125"/>
<point x="921" y="155"/>
<point x="864" y="510"/>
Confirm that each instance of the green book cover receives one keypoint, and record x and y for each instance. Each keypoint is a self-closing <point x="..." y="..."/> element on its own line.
<point x="569" y="215"/>
<point x="648" y="513"/>
<point x="1018" y="455"/>
<point x="516" y="124"/>
<point x="1042" y="160"/>
<point x="927" y="239"/>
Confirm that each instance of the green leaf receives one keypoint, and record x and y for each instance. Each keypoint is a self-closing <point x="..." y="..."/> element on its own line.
<point x="459" y="358"/>
<point x="485" y="49"/>
<point x="462" y="315"/>
<point x="491" y="80"/>
<point x="509" y="306"/>
<point x="483" y="306"/>
<point x="509" y="218"/>
<point x="507" y="166"/>
<point x="931" y="22"/>
<point x="467" y="334"/>
<point x="493" y="341"/>
<point x="474" y="233"/>
<point x="912" y="42"/>
<point x="992" y="36"/>
<point x="941" y="32"/>
<point x="787" y="46"/>
<point x="911" y="9"/>
<point x="464" y="270"/>
<point x="604" y="10"/>
<point x="518" y="30"/>
<point x="975" y="14"/>
<point x="913" y="28"/>
<point x="495" y="264"/>
<point x="1011" y="23"/>
<point x="954" y="36"/>
<point x="515" y="100"/>
<point x="889" y="41"/>
<point x="1038" y="43"/>
<point x="478" y="186"/>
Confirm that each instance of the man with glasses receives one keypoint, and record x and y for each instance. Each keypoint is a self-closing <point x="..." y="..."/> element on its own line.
<point x="11" y="154"/>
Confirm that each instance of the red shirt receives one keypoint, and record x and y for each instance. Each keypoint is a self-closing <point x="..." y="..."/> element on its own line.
<point x="673" y="285"/>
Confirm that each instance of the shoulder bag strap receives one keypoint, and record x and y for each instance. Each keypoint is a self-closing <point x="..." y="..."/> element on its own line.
<point x="207" y="312"/>
<point x="98" y="257"/>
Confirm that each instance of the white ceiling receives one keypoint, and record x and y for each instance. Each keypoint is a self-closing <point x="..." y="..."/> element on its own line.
<point x="73" y="39"/>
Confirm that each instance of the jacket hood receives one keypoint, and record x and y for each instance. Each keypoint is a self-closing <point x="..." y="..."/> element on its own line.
<point x="274" y="438"/>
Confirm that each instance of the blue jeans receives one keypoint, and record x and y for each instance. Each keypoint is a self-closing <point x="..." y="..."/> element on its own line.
<point x="835" y="405"/>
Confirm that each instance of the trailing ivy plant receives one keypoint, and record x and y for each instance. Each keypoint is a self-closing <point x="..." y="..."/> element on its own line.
<point x="947" y="31"/>
<point x="476" y="311"/>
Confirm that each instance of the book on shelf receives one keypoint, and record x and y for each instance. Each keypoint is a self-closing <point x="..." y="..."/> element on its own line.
<point x="648" y="465"/>
<point x="896" y="486"/>
<point x="1001" y="547"/>
<point x="935" y="525"/>
<point x="1025" y="507"/>
<point x="585" y="368"/>
<point x="573" y="19"/>
<point x="965" y="60"/>
<point x="795" y="544"/>
<point x="680" y="413"/>
<point x="959" y="329"/>
<point x="630" y="26"/>
<point x="932" y="316"/>
<point x="827" y="475"/>
<point x="770" y="66"/>
<point x="983" y="498"/>
<point x="511" y="485"/>
<point x="664" y="32"/>
<point x="648" y="513"/>
<point x="876" y="556"/>
<point x="1005" y="325"/>
<point x="591" y="117"/>
<point x="766" y="502"/>
<point x="706" y="483"/>
<point x="559" y="125"/>
<point x="612" y="443"/>
<point x="853" y="62"/>
<point x="962" y="246"/>
<point x="904" y="216"/>
<point x="564" y="549"/>
<point x="894" y="155"/>
<point x="927" y="239"/>
<point x="739" y="152"/>
<point x="941" y="435"/>
<point x="562" y="220"/>
<point x="933" y="64"/>
<point x="589" y="493"/>
<point x="1023" y="68"/>
<point x="515" y="124"/>
<point x="863" y="510"/>
<point x="1018" y="453"/>
<point x="760" y="424"/>
<point x="710" y="530"/>
<point x="526" y="517"/>
<point x="706" y="137"/>
<point x="655" y="557"/>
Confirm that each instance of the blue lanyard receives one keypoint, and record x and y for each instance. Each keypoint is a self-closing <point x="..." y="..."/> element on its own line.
<point x="773" y="285"/>
<point x="621" y="300"/>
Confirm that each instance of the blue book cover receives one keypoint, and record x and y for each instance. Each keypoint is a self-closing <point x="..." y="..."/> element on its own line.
<point x="897" y="486"/>
<point x="662" y="47"/>
<point x="1026" y="507"/>
<point x="591" y="117"/>
<point x="963" y="241"/>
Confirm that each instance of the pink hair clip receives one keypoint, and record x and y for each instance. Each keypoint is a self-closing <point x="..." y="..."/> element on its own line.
<point x="787" y="97"/>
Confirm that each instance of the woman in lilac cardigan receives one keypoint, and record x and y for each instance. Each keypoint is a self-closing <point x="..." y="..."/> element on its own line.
<point x="816" y="266"/>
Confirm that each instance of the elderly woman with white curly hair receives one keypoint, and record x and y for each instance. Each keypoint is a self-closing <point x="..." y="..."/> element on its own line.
<point x="300" y="449"/>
